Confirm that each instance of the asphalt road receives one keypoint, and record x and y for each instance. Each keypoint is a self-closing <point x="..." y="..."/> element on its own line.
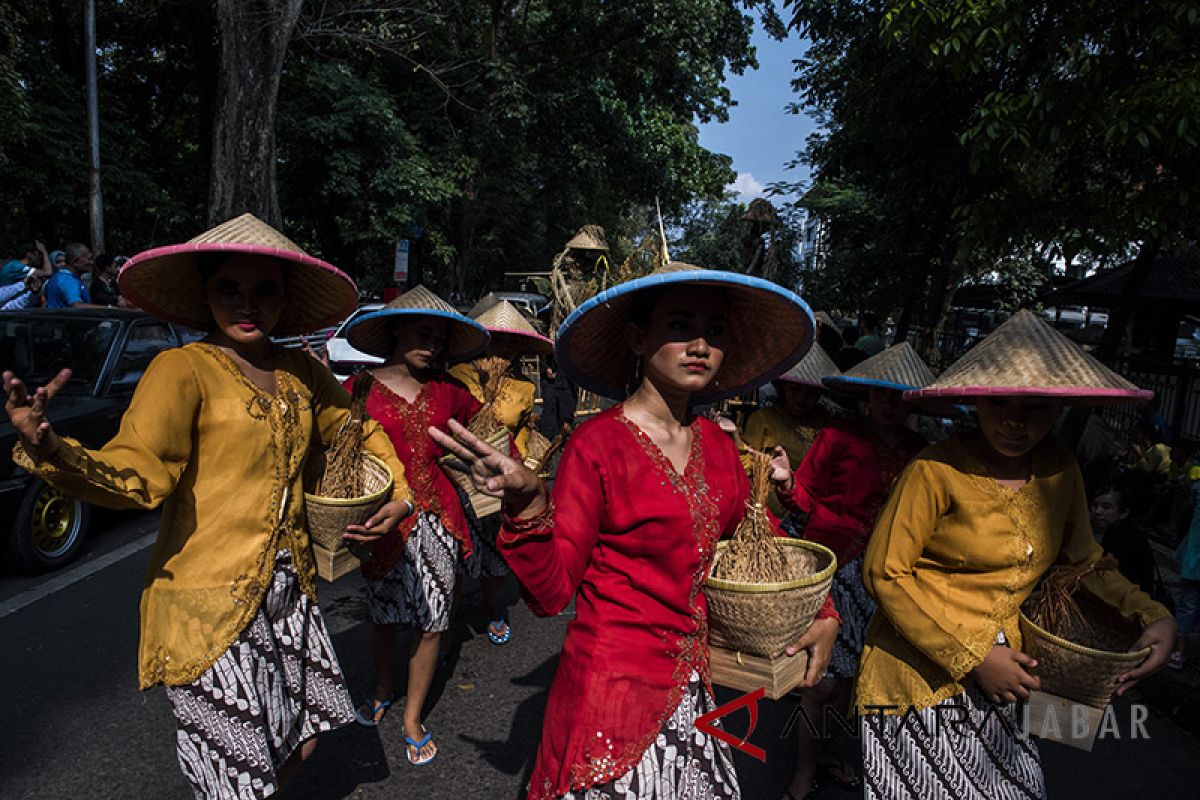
<point x="75" y="725"/>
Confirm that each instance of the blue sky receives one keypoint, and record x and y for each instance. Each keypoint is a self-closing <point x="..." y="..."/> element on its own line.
<point x="760" y="135"/>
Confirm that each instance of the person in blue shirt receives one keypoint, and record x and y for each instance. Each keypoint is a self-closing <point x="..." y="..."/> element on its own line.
<point x="65" y="288"/>
<point x="27" y="259"/>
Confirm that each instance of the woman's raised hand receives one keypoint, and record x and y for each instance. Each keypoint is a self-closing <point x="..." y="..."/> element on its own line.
<point x="28" y="413"/>
<point x="781" y="468"/>
<point x="493" y="473"/>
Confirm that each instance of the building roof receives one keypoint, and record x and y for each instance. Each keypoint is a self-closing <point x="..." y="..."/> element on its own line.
<point x="1173" y="280"/>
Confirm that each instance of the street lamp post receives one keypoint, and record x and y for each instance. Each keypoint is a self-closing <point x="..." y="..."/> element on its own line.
<point x="95" y="201"/>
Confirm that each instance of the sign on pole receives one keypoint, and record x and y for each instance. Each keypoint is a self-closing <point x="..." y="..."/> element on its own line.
<point x="400" y="271"/>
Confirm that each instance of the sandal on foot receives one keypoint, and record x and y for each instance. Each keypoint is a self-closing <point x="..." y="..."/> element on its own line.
<point x="415" y="748"/>
<point x="498" y="631"/>
<point x="372" y="712"/>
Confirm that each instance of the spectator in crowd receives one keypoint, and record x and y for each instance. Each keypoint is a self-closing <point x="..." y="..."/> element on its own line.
<point x="559" y="399"/>
<point x="1121" y="537"/>
<point x="26" y="294"/>
<point x="869" y="340"/>
<point x="66" y="289"/>
<point x="58" y="260"/>
<point x="27" y="258"/>
<point x="1188" y="557"/>
<point x="104" y="289"/>
<point x="849" y="356"/>
<point x="1147" y="466"/>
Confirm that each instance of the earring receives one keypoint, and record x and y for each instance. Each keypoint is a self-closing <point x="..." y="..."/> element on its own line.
<point x="632" y="386"/>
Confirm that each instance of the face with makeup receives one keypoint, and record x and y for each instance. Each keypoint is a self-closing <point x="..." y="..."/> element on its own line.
<point x="1015" y="425"/>
<point x="682" y="340"/>
<point x="418" y="341"/>
<point x="245" y="296"/>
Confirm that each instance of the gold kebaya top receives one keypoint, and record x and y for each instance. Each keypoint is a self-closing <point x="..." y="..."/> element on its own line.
<point x="513" y="406"/>
<point x="953" y="556"/>
<point x="225" y="460"/>
<point x="771" y="427"/>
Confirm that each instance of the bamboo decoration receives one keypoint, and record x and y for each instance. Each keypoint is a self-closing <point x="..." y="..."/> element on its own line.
<point x="343" y="476"/>
<point x="754" y="554"/>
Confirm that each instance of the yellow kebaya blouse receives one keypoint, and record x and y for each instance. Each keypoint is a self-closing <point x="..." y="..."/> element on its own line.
<point x="225" y="459"/>
<point x="513" y="406"/>
<point x="954" y="554"/>
<point x="771" y="427"/>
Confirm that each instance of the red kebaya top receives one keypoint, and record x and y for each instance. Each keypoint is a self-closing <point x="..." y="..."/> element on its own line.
<point x="631" y="540"/>
<point x="407" y="425"/>
<point x="843" y="482"/>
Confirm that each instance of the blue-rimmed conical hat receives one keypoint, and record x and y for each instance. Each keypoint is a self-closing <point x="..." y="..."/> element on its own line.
<point x="898" y="368"/>
<point x="770" y="330"/>
<point x="372" y="333"/>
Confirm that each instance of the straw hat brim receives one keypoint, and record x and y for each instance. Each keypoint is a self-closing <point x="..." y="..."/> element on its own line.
<point x="166" y="283"/>
<point x="1085" y="396"/>
<point x="372" y="333"/>
<point x="532" y="343"/>
<point x="770" y="330"/>
<point x="862" y="386"/>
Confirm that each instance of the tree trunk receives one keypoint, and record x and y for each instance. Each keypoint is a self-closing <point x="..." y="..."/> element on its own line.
<point x="254" y="38"/>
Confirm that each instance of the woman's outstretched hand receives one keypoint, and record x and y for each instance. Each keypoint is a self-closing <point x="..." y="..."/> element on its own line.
<point x="28" y="413"/>
<point x="494" y="473"/>
<point x="382" y="521"/>
<point x="781" y="469"/>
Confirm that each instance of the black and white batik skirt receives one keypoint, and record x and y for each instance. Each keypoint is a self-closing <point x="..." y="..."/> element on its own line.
<point x="681" y="764"/>
<point x="966" y="747"/>
<point x="485" y="560"/>
<point x="276" y="686"/>
<point x="419" y="589"/>
<point x="856" y="608"/>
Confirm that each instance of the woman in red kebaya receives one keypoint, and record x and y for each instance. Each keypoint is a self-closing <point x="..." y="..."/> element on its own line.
<point x="841" y="484"/>
<point x="642" y="495"/>
<point x="411" y="572"/>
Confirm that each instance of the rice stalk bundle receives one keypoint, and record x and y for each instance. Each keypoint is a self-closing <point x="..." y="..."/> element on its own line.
<point x="491" y="371"/>
<point x="343" y="475"/>
<point x="754" y="554"/>
<point x="1055" y="607"/>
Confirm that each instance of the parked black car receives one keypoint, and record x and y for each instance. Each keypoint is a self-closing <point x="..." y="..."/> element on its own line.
<point x="107" y="350"/>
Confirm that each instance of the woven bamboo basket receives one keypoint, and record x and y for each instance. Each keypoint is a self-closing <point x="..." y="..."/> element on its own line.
<point x="329" y="516"/>
<point x="1084" y="671"/>
<point x="764" y="618"/>
<point x="537" y="448"/>
<point x="482" y="504"/>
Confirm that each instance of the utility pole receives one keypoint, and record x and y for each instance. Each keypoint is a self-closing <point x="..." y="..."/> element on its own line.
<point x="95" y="201"/>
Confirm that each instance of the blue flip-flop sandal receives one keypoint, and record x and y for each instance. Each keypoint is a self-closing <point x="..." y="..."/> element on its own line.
<point x="378" y="711"/>
<point x="417" y="747"/>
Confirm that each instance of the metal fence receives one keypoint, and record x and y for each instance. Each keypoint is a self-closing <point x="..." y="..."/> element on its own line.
<point x="1177" y="396"/>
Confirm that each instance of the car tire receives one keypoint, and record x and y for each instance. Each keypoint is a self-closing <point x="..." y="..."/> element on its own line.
<point x="49" y="529"/>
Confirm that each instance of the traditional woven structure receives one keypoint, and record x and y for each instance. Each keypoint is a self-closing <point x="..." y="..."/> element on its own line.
<point x="589" y="237"/>
<point x="1027" y="357"/>
<point x="166" y="281"/>
<point x="770" y="330"/>
<point x="372" y="333"/>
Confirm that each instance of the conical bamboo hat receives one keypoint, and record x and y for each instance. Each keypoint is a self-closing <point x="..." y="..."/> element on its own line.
<point x="770" y="330"/>
<point x="589" y="237"/>
<point x="166" y="281"/>
<point x="898" y="367"/>
<point x="503" y="319"/>
<point x="813" y="369"/>
<point x="1027" y="357"/>
<point x="372" y="333"/>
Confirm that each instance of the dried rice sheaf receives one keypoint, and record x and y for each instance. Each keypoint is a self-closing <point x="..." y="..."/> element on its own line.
<point x="343" y="476"/>
<point x="491" y="371"/>
<point x="1054" y="606"/>
<point x="754" y="555"/>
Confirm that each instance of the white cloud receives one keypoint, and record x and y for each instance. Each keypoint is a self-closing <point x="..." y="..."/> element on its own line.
<point x="746" y="187"/>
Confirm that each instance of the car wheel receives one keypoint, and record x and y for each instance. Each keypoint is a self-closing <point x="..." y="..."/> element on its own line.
<point x="49" y="528"/>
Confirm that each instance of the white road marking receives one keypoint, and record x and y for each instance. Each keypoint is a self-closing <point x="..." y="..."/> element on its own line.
<point x="41" y="592"/>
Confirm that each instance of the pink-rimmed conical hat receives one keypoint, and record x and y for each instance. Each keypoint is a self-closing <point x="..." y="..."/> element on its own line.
<point x="812" y="370"/>
<point x="504" y="320"/>
<point x="166" y="281"/>
<point x="1027" y="357"/>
